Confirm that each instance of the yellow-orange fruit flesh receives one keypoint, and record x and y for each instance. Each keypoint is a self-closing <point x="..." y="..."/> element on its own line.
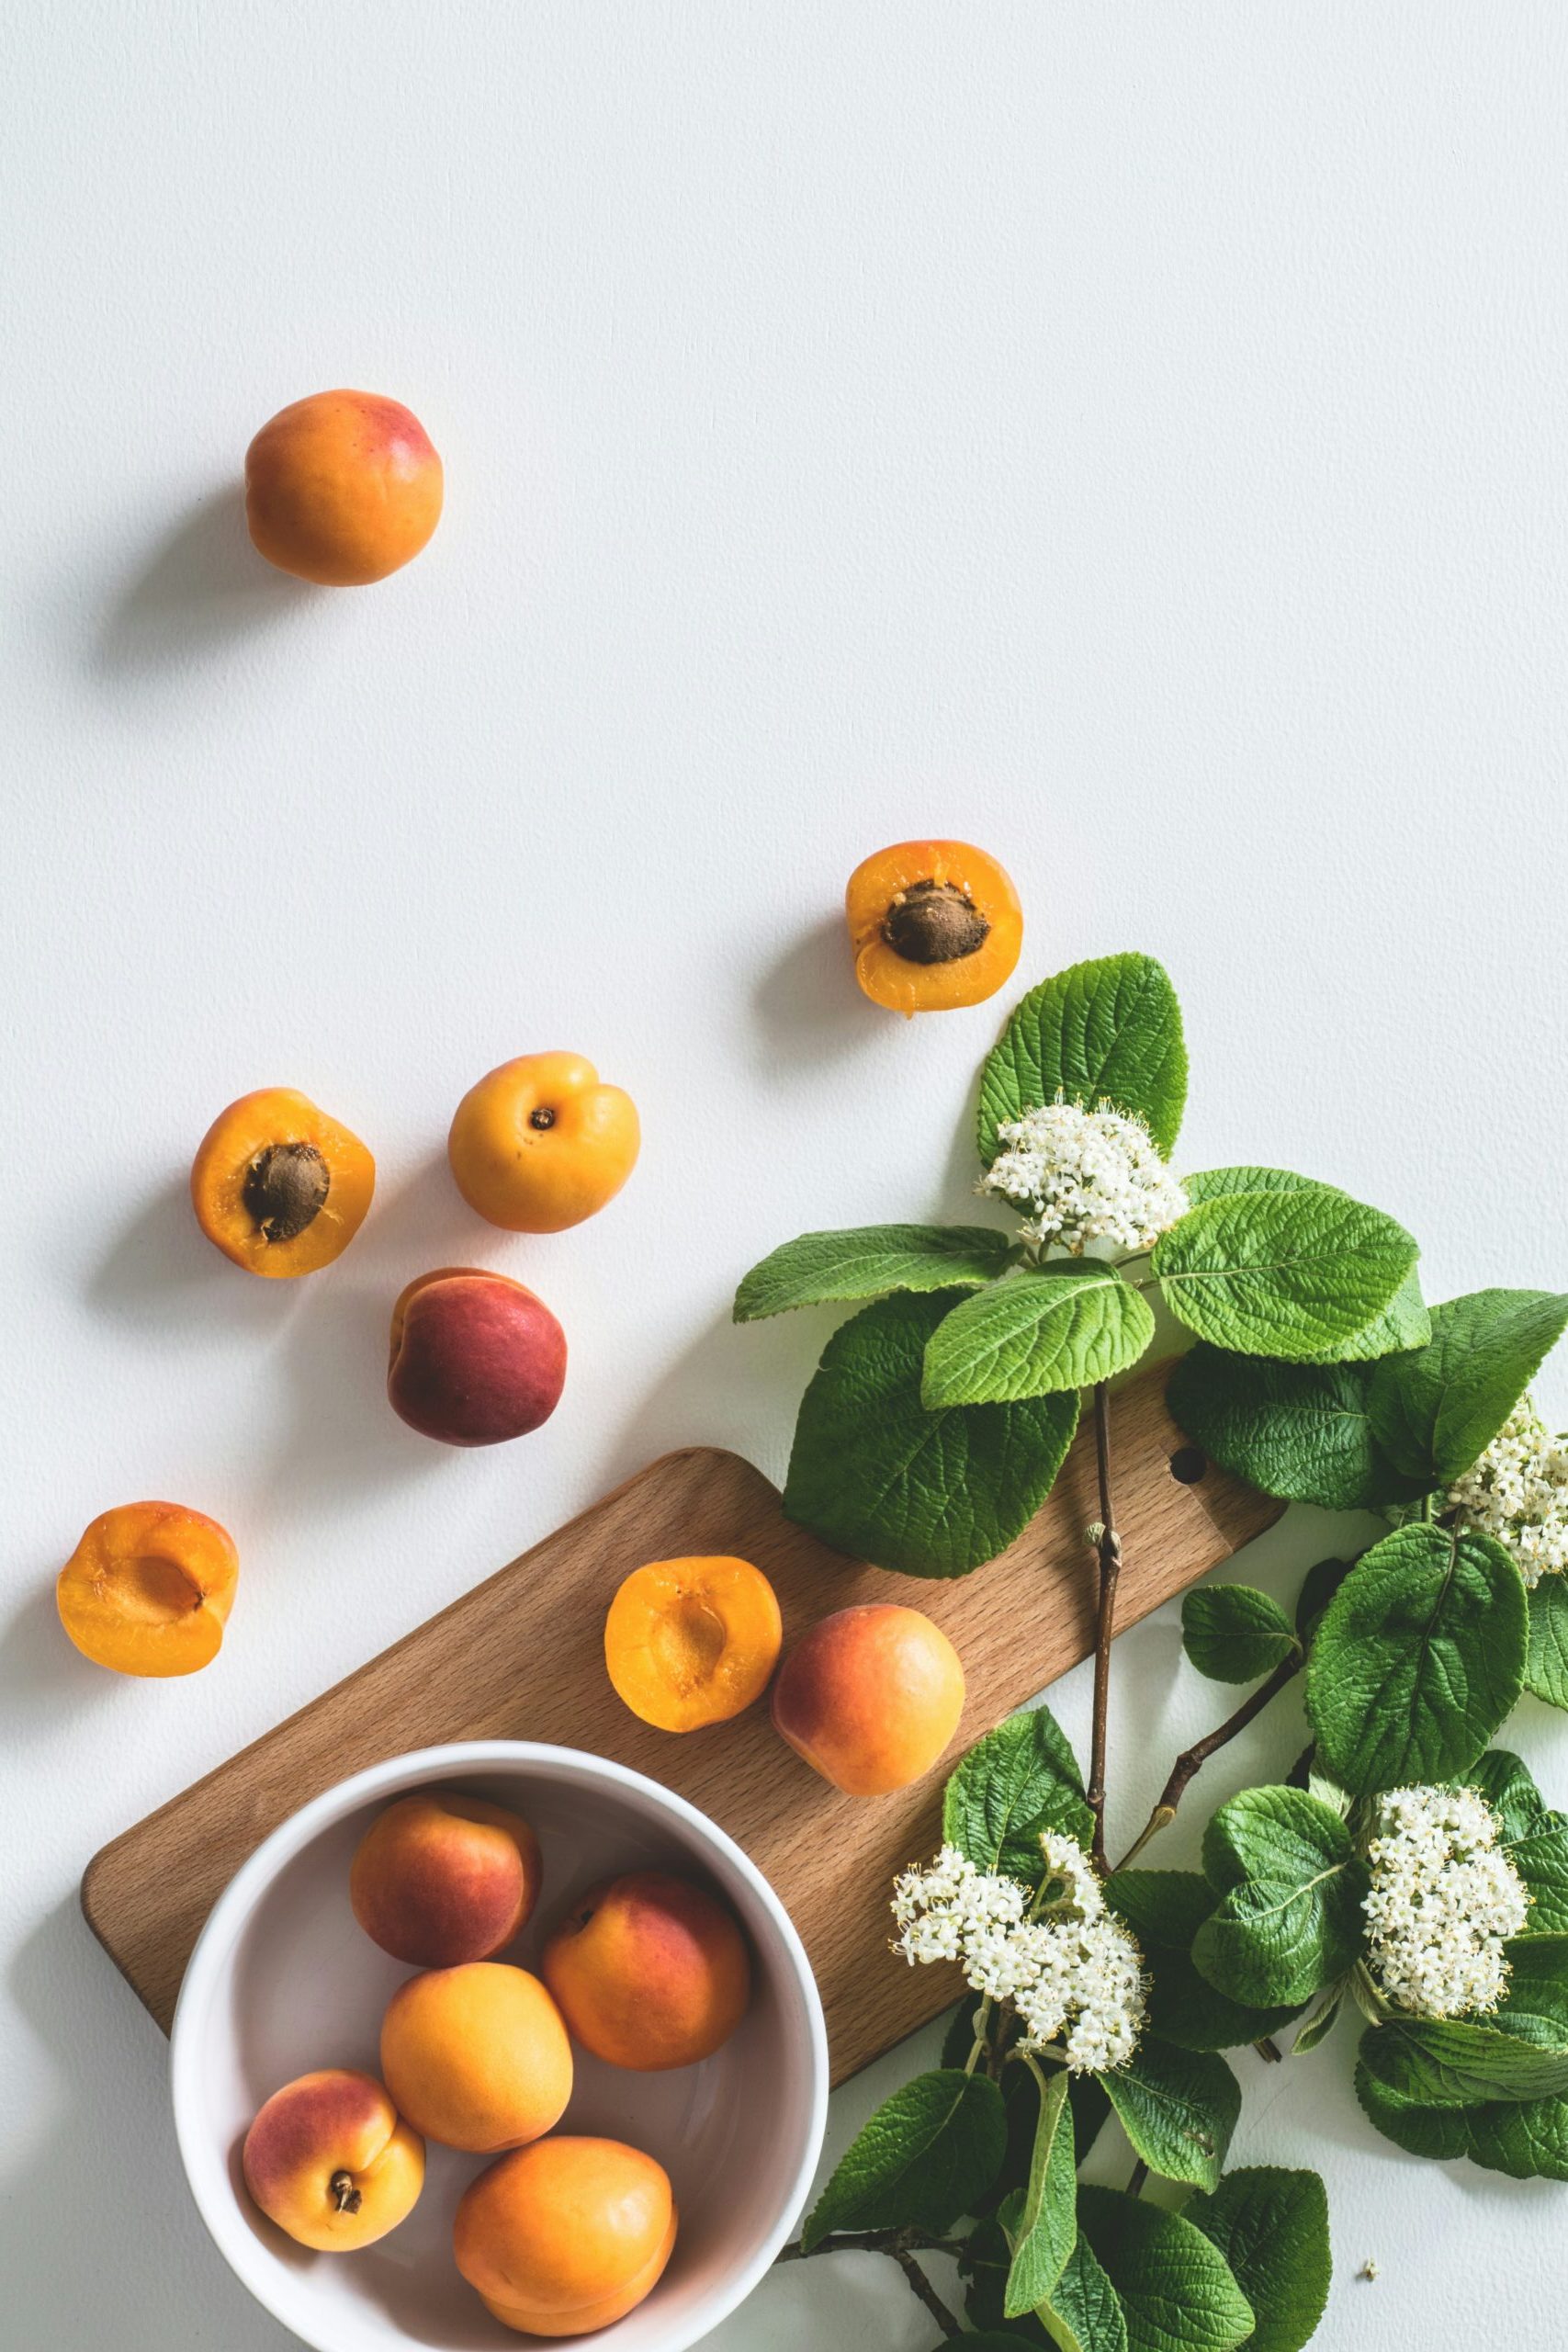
<point x="149" y="1588"/>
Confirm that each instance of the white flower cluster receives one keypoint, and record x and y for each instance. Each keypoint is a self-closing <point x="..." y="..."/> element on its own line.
<point x="1071" y="1968"/>
<point x="1445" y="1898"/>
<point x="1085" y="1176"/>
<point x="1518" y="1492"/>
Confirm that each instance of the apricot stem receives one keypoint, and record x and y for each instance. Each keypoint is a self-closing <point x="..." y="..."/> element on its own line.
<point x="286" y="1190"/>
<point x="1107" y="1545"/>
<point x="932" y="923"/>
<point x="542" y="1117"/>
<point x="344" y="2195"/>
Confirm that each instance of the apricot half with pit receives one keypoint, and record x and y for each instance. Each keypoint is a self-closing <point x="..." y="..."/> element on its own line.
<point x="567" y="2236"/>
<point x="341" y="487"/>
<point x="278" y="1186"/>
<point x="934" y="925"/>
<point x="540" y="1143"/>
<point x="149" y="1588"/>
<point x="693" y="1642"/>
<point x="332" y="2162"/>
<point x="476" y="1358"/>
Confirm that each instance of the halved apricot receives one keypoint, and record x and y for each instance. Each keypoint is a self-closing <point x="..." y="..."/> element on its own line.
<point x="934" y="925"/>
<point x="149" y="1588"/>
<point x="693" y="1642"/>
<point x="278" y="1186"/>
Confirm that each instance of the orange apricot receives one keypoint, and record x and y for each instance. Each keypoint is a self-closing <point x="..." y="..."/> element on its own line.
<point x="341" y="487"/>
<point x="870" y="1697"/>
<point x="278" y="1186"/>
<point x="477" y="2056"/>
<point x="693" y="1642"/>
<point x="650" y="1971"/>
<point x="149" y="1588"/>
<point x="566" y="2236"/>
<point x="440" y="1878"/>
<point x="540" y="1144"/>
<point x="933" y="924"/>
<point x="332" y="2162"/>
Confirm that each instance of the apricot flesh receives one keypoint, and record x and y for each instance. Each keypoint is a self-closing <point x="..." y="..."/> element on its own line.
<point x="694" y="1640"/>
<point x="871" y="1697"/>
<point x="476" y="1358"/>
<point x="279" y="1187"/>
<point x="332" y="2162"/>
<point x="441" y="1878"/>
<point x="933" y="924"/>
<point x="540" y="1144"/>
<point x="477" y="2057"/>
<point x="650" y="1971"/>
<point x="341" y="487"/>
<point x="566" y="2236"/>
<point x="149" y="1588"/>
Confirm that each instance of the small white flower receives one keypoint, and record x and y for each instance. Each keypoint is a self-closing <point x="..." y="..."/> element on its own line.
<point x="1085" y="1176"/>
<point x="1518" y="1492"/>
<point x="1073" y="1971"/>
<point x="1444" y="1901"/>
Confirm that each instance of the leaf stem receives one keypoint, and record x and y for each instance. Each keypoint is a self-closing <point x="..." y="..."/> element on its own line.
<point x="1109" y="1546"/>
<point x="1189" y="1763"/>
<point x="928" y="2294"/>
<point x="1136" y="2178"/>
<point x="902" y="2245"/>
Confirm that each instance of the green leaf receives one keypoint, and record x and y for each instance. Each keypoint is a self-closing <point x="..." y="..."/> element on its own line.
<point x="1019" y="1781"/>
<point x="1046" y="2224"/>
<point x="1273" y="2228"/>
<point x="1527" y="2139"/>
<point x="1289" y="1920"/>
<point x="1165" y="1910"/>
<point x="1176" y="2290"/>
<point x="1534" y="1838"/>
<point x="1178" y="2108"/>
<point x="1545" y="1662"/>
<point x="1453" y="2062"/>
<point x="926" y="2156"/>
<point x="1419" y="1657"/>
<point x="1321" y="2023"/>
<point x="1436" y="1408"/>
<point x="1057" y="1327"/>
<point x="1233" y="1633"/>
<point x="1300" y="1431"/>
<point x="1406" y="1322"/>
<point x="1084" y="2312"/>
<point x="928" y="1494"/>
<point x="869" y="1261"/>
<point x="1297" y="1275"/>
<point x="1215" y="1183"/>
<point x="1108" y="1031"/>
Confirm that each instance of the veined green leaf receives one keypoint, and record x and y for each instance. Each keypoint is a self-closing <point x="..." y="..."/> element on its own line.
<point x="1042" y="2232"/>
<point x="1454" y="2062"/>
<point x="1019" y="1781"/>
<point x="1436" y="1408"/>
<point x="1301" y="1431"/>
<point x="870" y="1261"/>
<point x="1058" y="1327"/>
<point x="1176" y="2290"/>
<point x="1084" y="2312"/>
<point x="1527" y="2139"/>
<point x="1108" y="1031"/>
<point x="1294" y="1274"/>
<point x="1273" y="2228"/>
<point x="1233" y="1633"/>
<point x="925" y="2157"/>
<point x="1165" y="1910"/>
<point x="1290" y="1919"/>
<point x="1321" y="2023"/>
<point x="1546" y="1664"/>
<point x="1534" y="1837"/>
<point x="1178" y="2108"/>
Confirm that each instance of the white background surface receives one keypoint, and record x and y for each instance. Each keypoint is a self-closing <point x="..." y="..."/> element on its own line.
<point x="1132" y="438"/>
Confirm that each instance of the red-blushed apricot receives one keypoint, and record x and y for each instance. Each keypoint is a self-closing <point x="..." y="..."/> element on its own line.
<point x="540" y="1144"/>
<point x="870" y="1697"/>
<point x="341" y="487"/>
<point x="650" y="1971"/>
<point x="149" y="1588"/>
<point x="693" y="1642"/>
<point x="476" y="1358"/>
<point x="477" y="2057"/>
<point x="331" y="2160"/>
<point x="279" y="1187"/>
<point x="566" y="2236"/>
<point x="934" y="925"/>
<point x="440" y="1878"/>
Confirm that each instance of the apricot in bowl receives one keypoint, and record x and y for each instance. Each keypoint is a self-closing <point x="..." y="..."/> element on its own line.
<point x="441" y="1878"/>
<point x="278" y="1186"/>
<point x="475" y="1357"/>
<point x="332" y="2162"/>
<point x="934" y="925"/>
<point x="477" y="2057"/>
<point x="540" y="1144"/>
<point x="149" y="1588"/>
<point x="649" y="1971"/>
<point x="693" y="1642"/>
<point x="566" y="2236"/>
<point x="341" y="487"/>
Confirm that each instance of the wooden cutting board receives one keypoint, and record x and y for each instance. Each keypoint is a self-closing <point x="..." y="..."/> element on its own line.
<point x="521" y="1657"/>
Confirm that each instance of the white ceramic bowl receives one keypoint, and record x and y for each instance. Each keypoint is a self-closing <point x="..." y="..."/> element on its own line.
<point x="283" y="1979"/>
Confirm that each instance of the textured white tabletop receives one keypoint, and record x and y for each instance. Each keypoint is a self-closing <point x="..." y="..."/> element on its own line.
<point x="1130" y="438"/>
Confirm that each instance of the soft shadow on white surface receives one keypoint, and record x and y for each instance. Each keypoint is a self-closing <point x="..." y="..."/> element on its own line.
<point x="203" y="588"/>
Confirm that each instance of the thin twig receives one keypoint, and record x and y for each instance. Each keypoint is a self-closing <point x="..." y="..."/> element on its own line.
<point x="893" y="2242"/>
<point x="1136" y="2178"/>
<point x="926" y="2291"/>
<point x="1192" y="1761"/>
<point x="1107" y="1545"/>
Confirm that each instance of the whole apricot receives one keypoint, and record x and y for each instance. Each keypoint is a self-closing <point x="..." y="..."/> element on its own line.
<point x="279" y="1187"/>
<point x="693" y="1642"/>
<point x="332" y="2162"/>
<point x="540" y="1144"/>
<point x="870" y="1697"/>
<point x="476" y="1358"/>
<point x="341" y="487"/>
<point x="933" y="924"/>
<point x="440" y="1878"/>
<point x="149" y="1588"/>
<point x="650" y="1971"/>
<point x="566" y="2236"/>
<point x="477" y="2057"/>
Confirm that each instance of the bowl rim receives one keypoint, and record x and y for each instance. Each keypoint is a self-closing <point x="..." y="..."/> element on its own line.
<point x="223" y="1926"/>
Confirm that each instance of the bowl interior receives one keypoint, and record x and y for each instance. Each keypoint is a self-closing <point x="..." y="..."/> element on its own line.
<point x="285" y="1979"/>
